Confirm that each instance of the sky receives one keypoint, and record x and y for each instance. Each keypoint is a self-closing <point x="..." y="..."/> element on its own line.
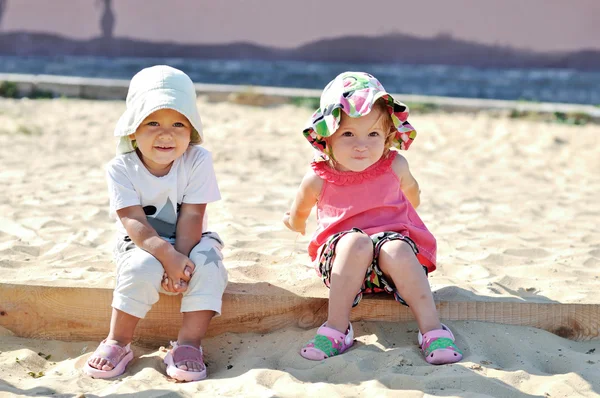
<point x="541" y="25"/>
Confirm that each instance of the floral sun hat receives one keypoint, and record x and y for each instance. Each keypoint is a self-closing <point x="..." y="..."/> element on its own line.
<point x="355" y="93"/>
<point x="154" y="88"/>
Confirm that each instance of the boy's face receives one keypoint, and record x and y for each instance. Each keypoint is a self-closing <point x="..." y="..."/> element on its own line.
<point x="161" y="138"/>
<point x="359" y="142"/>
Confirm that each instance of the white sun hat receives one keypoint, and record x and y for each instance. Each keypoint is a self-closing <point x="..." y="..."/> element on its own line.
<point x="154" y="88"/>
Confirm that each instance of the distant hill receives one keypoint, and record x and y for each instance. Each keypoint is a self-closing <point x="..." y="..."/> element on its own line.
<point x="443" y="49"/>
<point x="391" y="48"/>
<point x="24" y="44"/>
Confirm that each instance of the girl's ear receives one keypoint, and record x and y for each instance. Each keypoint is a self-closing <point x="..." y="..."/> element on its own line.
<point x="132" y="136"/>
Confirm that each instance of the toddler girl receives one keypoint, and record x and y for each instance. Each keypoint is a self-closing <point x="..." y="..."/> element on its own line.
<point x="369" y="237"/>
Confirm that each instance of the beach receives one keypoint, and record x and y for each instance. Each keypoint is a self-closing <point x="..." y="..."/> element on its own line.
<point x="512" y="202"/>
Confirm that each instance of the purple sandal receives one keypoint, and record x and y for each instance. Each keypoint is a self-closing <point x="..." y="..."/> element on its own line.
<point x="116" y="355"/>
<point x="184" y="353"/>
<point x="327" y="343"/>
<point x="438" y="346"/>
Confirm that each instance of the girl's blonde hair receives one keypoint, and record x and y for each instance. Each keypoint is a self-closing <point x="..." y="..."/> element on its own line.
<point x="386" y="122"/>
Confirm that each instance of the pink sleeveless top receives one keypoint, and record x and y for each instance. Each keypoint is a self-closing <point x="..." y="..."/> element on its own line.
<point x="372" y="201"/>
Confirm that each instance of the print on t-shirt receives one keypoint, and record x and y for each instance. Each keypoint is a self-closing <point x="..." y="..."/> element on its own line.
<point x="165" y="221"/>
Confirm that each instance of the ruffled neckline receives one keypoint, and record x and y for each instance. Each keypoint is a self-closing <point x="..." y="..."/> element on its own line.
<point x="337" y="177"/>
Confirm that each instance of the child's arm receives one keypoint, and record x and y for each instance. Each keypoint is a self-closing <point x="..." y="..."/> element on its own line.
<point x="408" y="184"/>
<point x="189" y="227"/>
<point x="146" y="238"/>
<point x="306" y="198"/>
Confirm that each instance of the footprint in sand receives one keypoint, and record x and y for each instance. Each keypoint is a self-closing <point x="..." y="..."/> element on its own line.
<point x="591" y="262"/>
<point x="527" y="252"/>
<point x="496" y="228"/>
<point x="501" y="260"/>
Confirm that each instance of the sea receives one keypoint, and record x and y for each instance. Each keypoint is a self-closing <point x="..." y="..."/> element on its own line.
<point x="534" y="85"/>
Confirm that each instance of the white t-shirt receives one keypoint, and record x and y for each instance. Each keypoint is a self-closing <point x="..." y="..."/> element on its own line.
<point x="191" y="180"/>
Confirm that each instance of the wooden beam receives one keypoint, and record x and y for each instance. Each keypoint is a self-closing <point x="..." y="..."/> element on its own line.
<point x="72" y="313"/>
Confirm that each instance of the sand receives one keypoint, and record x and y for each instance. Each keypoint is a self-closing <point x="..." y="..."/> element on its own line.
<point x="512" y="202"/>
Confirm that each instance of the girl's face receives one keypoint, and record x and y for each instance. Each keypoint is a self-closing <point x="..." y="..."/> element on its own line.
<point x="161" y="138"/>
<point x="359" y="142"/>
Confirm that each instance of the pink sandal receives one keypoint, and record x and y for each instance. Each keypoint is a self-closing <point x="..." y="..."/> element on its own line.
<point x="327" y="343"/>
<point x="183" y="353"/>
<point x="116" y="355"/>
<point x="438" y="346"/>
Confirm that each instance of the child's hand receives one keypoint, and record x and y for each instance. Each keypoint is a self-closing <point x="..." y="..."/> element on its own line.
<point x="178" y="272"/>
<point x="170" y="287"/>
<point x="286" y="221"/>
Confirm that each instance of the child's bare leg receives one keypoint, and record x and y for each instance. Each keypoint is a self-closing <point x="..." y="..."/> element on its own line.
<point x="353" y="255"/>
<point x="122" y="326"/>
<point x="397" y="260"/>
<point x="193" y="330"/>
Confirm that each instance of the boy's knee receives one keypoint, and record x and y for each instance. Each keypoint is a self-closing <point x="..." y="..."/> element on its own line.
<point x="209" y="270"/>
<point x="142" y="269"/>
<point x="138" y="284"/>
<point x="206" y="288"/>
<point x="207" y="250"/>
<point x="201" y="256"/>
<point x="210" y="273"/>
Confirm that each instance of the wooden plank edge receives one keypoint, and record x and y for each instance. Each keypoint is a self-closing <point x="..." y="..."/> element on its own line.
<point x="75" y="314"/>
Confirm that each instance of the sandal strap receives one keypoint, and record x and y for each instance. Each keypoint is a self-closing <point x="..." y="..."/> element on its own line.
<point x="187" y="353"/>
<point x="439" y="339"/>
<point x="436" y="334"/>
<point x="113" y="353"/>
<point x="331" y="341"/>
<point x="326" y="344"/>
<point x="440" y="344"/>
<point x="335" y="335"/>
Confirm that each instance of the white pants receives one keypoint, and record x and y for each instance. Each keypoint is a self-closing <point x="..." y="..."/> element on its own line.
<point x="139" y="277"/>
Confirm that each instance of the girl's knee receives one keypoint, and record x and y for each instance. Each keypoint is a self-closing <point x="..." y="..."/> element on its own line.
<point x="353" y="253"/>
<point x="396" y="253"/>
<point x="356" y="244"/>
